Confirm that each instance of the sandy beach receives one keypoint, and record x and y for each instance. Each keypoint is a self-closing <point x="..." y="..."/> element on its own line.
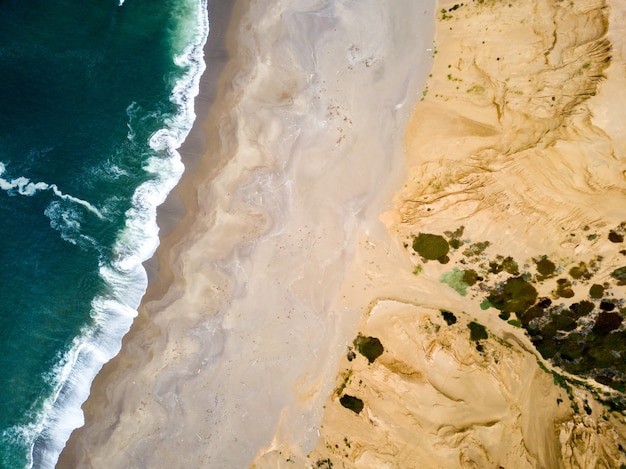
<point x="381" y="250"/>
<point x="239" y="333"/>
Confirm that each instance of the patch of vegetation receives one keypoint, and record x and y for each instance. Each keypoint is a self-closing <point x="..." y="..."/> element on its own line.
<point x="616" y="237"/>
<point x="456" y="243"/>
<point x="606" y="322"/>
<point x="476" y="249"/>
<point x="431" y="247"/>
<point x="477" y="331"/>
<point x="475" y="89"/>
<point x="506" y="264"/>
<point x="455" y="237"/>
<point x="456" y="280"/>
<point x="536" y="311"/>
<point x="580" y="272"/>
<point x="470" y="277"/>
<point x="563" y="322"/>
<point x="545" y="267"/>
<point x="564" y="288"/>
<point x="581" y="309"/>
<point x="369" y="347"/>
<point x="324" y="464"/>
<point x="596" y="291"/>
<point x="449" y="317"/>
<point x="583" y="336"/>
<point x="445" y="14"/>
<point x="352" y="403"/>
<point x="346" y="378"/>
<point x="599" y="353"/>
<point x="516" y="295"/>
<point x="620" y="275"/>
<point x="607" y="305"/>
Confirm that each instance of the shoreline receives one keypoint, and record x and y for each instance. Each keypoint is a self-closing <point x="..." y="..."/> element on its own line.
<point x="174" y="217"/>
<point x="152" y="382"/>
<point x="179" y="210"/>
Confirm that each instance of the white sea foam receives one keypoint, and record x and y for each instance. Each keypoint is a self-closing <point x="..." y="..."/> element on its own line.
<point x="125" y="275"/>
<point x="65" y="218"/>
<point x="107" y="171"/>
<point x="24" y="186"/>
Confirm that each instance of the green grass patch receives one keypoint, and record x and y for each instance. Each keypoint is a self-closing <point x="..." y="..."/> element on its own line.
<point x="455" y="279"/>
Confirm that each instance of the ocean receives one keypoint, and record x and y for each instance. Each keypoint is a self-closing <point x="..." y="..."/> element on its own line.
<point x="95" y="98"/>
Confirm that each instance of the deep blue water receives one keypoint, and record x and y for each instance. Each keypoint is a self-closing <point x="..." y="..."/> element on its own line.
<point x="94" y="99"/>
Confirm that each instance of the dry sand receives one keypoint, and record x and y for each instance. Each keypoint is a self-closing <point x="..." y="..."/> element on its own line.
<point x="239" y="335"/>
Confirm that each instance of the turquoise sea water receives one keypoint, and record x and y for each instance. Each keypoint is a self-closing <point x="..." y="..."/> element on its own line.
<point x="95" y="96"/>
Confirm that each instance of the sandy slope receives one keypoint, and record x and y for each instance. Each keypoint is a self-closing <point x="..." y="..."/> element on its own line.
<point x="520" y="141"/>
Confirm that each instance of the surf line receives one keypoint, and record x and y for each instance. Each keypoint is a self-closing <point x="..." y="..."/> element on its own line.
<point x="24" y="186"/>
